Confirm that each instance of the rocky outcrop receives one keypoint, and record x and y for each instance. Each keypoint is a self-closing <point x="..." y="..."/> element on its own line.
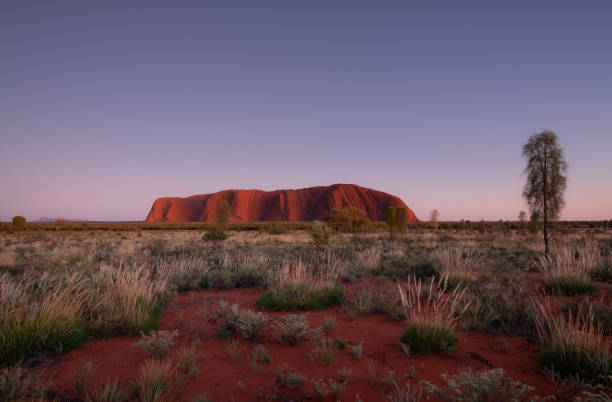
<point x="304" y="204"/>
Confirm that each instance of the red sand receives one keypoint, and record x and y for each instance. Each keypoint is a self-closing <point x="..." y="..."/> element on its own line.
<point x="219" y="373"/>
<point x="305" y="204"/>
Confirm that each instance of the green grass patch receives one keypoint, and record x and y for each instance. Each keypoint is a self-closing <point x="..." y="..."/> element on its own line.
<point x="569" y="362"/>
<point x="570" y="286"/>
<point x="428" y="337"/>
<point x="291" y="298"/>
<point x="51" y="336"/>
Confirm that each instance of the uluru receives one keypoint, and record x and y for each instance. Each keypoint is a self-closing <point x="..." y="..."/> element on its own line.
<point x="304" y="204"/>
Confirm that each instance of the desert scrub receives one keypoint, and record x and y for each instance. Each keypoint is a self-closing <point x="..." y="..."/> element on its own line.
<point x="491" y="385"/>
<point x="300" y="296"/>
<point x="41" y="317"/>
<point x="251" y="325"/>
<point x="109" y="391"/>
<point x="329" y="324"/>
<point x="289" y="378"/>
<point x="406" y="394"/>
<point x="155" y="379"/>
<point x="260" y="354"/>
<point x="227" y="318"/>
<point x="457" y="263"/>
<point x="569" y="268"/>
<point x="380" y="297"/>
<point x="430" y="315"/>
<point x="17" y="383"/>
<point x="320" y="233"/>
<point x="573" y="346"/>
<point x="294" y="329"/>
<point x="157" y="343"/>
<point x="127" y="299"/>
<point x="214" y="235"/>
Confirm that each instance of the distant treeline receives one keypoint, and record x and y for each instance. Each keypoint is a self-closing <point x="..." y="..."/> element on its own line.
<point x="284" y="227"/>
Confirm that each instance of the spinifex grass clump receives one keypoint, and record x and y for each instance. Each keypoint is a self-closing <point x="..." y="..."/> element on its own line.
<point x="44" y="318"/>
<point x="574" y="346"/>
<point x="430" y="315"/>
<point x="458" y="264"/>
<point x="299" y="289"/>
<point x="568" y="269"/>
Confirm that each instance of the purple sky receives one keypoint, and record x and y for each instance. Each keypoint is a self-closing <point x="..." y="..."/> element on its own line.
<point x="105" y="106"/>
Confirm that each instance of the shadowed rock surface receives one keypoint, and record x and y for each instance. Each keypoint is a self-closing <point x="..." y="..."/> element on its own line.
<point x="304" y="204"/>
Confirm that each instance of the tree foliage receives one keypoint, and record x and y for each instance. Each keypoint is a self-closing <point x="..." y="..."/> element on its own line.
<point x="347" y="219"/>
<point x="223" y="214"/>
<point x="546" y="181"/>
<point x="19" y="223"/>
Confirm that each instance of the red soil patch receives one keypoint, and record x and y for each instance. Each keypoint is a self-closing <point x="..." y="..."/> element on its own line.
<point x="305" y="204"/>
<point x="219" y="372"/>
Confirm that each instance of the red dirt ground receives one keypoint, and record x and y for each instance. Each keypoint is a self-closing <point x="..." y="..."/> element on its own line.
<point x="219" y="372"/>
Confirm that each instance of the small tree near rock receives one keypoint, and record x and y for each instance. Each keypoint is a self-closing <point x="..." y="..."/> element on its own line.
<point x="19" y="223"/>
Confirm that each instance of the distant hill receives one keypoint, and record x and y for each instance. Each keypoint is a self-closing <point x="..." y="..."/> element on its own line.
<point x="44" y="219"/>
<point x="304" y="204"/>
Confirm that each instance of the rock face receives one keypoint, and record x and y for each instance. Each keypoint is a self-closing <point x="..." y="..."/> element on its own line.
<point x="305" y="204"/>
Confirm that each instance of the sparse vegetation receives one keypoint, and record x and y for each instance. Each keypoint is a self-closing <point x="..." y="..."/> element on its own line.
<point x="574" y="345"/>
<point x="157" y="343"/>
<point x="110" y="283"/>
<point x="294" y="329"/>
<point x="491" y="385"/>
<point x="431" y="316"/>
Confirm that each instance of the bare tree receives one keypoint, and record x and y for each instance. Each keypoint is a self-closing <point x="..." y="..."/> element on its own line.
<point x="433" y="219"/>
<point x="546" y="181"/>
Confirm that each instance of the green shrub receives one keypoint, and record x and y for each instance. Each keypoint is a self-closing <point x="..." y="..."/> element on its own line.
<point x="18" y="223"/>
<point x="312" y="299"/>
<point x="215" y="235"/>
<point x="428" y="337"/>
<point x="570" y="285"/>
<point x="319" y="232"/>
<point x="52" y="335"/>
<point x="491" y="385"/>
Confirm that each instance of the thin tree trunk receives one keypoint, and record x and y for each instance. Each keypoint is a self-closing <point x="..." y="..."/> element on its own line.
<point x="545" y="188"/>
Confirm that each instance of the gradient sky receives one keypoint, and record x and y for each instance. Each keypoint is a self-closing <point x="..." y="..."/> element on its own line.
<point x="107" y="105"/>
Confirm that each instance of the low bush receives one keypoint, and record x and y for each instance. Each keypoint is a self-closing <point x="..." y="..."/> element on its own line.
<point x="329" y="324"/>
<point x="251" y="325"/>
<point x="491" y="385"/>
<point x="260" y="354"/>
<point x="289" y="378"/>
<point x="157" y="343"/>
<point x="214" y="235"/>
<point x="294" y="329"/>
